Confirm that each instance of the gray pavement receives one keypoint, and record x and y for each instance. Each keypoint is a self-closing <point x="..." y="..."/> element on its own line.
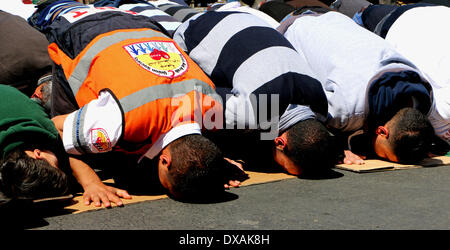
<point x="397" y="200"/>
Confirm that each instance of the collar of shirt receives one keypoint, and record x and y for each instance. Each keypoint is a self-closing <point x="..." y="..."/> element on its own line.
<point x="172" y="135"/>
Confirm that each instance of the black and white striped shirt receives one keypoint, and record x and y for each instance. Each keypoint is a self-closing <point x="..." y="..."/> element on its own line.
<point x="242" y="53"/>
<point x="179" y="12"/>
<point x="151" y="11"/>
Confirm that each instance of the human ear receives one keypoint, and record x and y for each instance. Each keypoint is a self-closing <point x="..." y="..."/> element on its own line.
<point x="165" y="160"/>
<point x="37" y="154"/>
<point x="280" y="143"/>
<point x="383" y="131"/>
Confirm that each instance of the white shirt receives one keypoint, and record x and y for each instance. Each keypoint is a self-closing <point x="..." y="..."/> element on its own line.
<point x="94" y="128"/>
<point x="421" y="34"/>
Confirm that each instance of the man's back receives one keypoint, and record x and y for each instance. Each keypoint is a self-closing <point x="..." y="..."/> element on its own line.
<point x="122" y="64"/>
<point x="347" y="60"/>
<point x="243" y="53"/>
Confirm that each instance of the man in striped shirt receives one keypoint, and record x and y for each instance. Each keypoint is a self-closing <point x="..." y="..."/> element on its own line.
<point x="144" y="8"/>
<point x="180" y="12"/>
<point x="265" y="84"/>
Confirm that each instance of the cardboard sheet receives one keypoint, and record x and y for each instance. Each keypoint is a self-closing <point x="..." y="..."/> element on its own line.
<point x="379" y="165"/>
<point x="78" y="206"/>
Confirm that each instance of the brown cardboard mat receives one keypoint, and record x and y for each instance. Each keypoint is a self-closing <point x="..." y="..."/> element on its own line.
<point x="77" y="205"/>
<point x="379" y="165"/>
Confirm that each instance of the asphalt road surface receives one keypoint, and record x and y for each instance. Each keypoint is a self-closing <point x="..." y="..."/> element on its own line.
<point x="391" y="200"/>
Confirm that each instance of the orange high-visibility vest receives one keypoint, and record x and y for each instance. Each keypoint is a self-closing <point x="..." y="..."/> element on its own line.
<point x="157" y="85"/>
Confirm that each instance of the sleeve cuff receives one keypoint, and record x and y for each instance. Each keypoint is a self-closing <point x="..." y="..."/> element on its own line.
<point x="69" y="139"/>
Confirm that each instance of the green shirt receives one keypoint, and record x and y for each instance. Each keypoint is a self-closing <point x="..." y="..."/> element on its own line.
<point x="23" y="121"/>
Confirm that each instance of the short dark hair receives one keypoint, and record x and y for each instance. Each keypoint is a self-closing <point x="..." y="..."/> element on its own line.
<point x="22" y="177"/>
<point x="311" y="147"/>
<point x="197" y="168"/>
<point x="410" y="135"/>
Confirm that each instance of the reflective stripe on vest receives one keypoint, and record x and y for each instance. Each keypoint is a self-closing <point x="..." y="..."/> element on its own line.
<point x="81" y="71"/>
<point x="141" y="98"/>
<point x="161" y="91"/>
<point x="93" y="72"/>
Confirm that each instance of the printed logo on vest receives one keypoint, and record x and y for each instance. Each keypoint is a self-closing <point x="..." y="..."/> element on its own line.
<point x="100" y="139"/>
<point x="162" y="58"/>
